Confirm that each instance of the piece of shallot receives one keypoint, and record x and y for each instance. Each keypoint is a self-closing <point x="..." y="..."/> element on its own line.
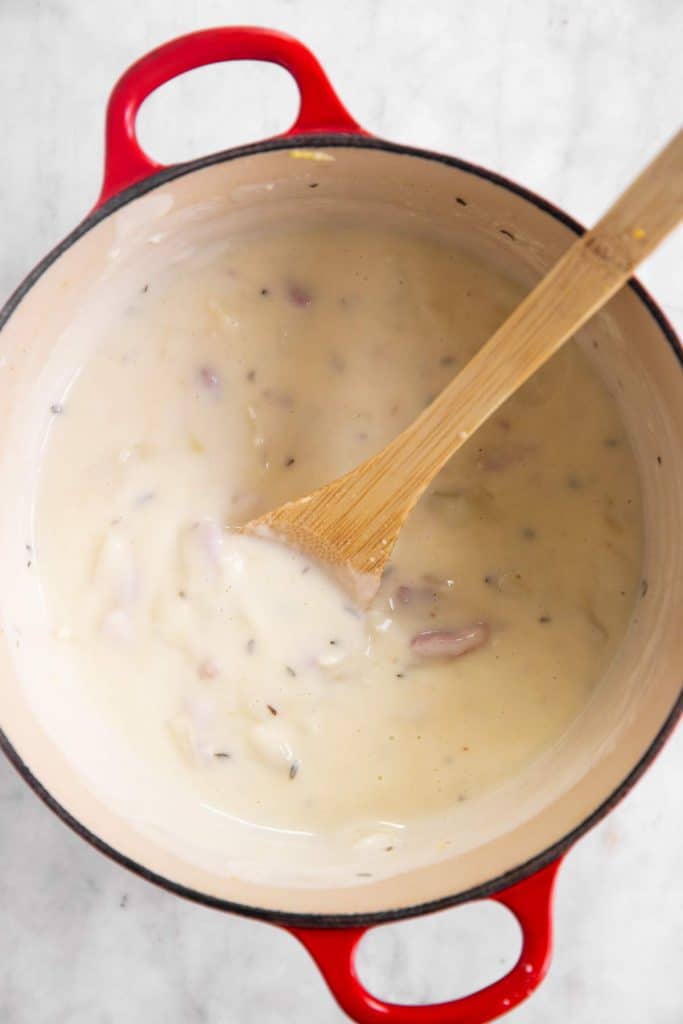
<point x="450" y="643"/>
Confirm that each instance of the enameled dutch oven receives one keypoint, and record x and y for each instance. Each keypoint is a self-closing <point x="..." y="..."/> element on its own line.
<point x="516" y="847"/>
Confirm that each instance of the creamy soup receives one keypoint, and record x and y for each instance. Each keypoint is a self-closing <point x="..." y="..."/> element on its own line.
<point x="240" y="700"/>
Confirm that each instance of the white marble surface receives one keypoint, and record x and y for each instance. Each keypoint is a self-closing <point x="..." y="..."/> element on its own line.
<point x="568" y="98"/>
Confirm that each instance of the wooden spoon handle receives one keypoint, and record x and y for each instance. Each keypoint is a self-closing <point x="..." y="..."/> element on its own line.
<point x="588" y="274"/>
<point x="585" y="277"/>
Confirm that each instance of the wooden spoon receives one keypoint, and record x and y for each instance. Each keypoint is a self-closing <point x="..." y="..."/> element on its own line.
<point x="354" y="521"/>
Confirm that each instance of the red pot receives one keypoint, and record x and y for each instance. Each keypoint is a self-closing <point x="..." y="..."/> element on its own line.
<point x="636" y="708"/>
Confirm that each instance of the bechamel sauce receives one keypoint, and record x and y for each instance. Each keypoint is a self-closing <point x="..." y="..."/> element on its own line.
<point x="269" y="727"/>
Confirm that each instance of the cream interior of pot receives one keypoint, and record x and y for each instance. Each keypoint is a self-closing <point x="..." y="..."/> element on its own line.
<point x="95" y="278"/>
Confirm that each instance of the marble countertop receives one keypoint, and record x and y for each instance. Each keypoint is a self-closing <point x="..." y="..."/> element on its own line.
<point x="569" y="99"/>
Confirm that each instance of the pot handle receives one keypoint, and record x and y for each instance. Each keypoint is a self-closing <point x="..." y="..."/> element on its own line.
<point x="530" y="901"/>
<point x="320" y="109"/>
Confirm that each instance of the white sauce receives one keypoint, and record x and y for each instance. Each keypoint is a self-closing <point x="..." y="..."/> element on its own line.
<point x="233" y="680"/>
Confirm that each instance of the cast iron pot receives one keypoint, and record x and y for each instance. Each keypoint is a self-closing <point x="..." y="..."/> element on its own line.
<point x="516" y="848"/>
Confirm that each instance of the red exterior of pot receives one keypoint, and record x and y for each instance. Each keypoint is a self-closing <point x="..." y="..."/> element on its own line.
<point x="531" y="903"/>
<point x="320" y="108"/>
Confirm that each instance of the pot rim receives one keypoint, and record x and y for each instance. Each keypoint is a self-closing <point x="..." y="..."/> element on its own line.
<point x="502" y="881"/>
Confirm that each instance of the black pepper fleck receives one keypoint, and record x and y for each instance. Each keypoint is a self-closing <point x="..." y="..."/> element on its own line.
<point x="659" y="460"/>
<point x="290" y="460"/>
<point x="528" y="533"/>
<point x="272" y="710"/>
<point x="313" y="184"/>
<point x="265" y="291"/>
<point x="222" y="754"/>
<point x="544" y="619"/>
<point x="460" y="201"/>
<point x="290" y="671"/>
<point x="293" y="769"/>
<point x="504" y="231"/>
<point x="643" y="587"/>
<point x="57" y="409"/>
